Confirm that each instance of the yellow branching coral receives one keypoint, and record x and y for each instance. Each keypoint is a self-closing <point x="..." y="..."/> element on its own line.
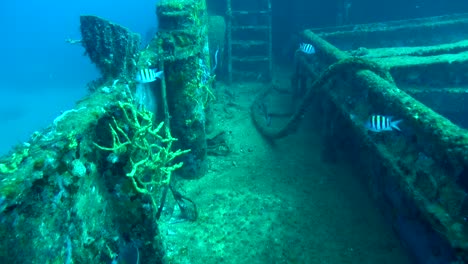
<point x="148" y="147"/>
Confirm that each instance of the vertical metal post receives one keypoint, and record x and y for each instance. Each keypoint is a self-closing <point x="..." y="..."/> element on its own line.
<point x="229" y="40"/>
<point x="187" y="71"/>
<point x="270" y="41"/>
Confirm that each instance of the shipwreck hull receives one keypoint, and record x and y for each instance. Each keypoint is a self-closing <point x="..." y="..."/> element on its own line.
<point x="91" y="187"/>
<point x="418" y="176"/>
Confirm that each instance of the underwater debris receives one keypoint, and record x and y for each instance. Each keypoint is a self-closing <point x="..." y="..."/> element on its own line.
<point x="113" y="48"/>
<point x="57" y="190"/>
<point x="294" y="121"/>
<point x="425" y="190"/>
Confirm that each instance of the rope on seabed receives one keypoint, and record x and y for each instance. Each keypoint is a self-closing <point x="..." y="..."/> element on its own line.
<point x="349" y="64"/>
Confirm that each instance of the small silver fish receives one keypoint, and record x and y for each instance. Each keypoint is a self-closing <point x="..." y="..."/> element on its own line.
<point x="379" y="123"/>
<point x="148" y="75"/>
<point x="307" y="48"/>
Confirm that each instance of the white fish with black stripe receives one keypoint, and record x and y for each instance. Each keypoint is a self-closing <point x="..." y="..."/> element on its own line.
<point x="380" y="123"/>
<point x="148" y="75"/>
<point x="307" y="48"/>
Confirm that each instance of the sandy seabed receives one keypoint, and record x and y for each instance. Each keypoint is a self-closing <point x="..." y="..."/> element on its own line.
<point x="277" y="203"/>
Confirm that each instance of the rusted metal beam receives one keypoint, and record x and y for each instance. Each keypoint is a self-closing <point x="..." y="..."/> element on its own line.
<point x="426" y="165"/>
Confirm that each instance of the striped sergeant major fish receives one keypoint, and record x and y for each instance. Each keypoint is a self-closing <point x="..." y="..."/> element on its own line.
<point x="307" y="48"/>
<point x="379" y="123"/>
<point x="148" y="75"/>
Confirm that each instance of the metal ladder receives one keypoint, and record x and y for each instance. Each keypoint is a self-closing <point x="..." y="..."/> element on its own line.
<point x="249" y="40"/>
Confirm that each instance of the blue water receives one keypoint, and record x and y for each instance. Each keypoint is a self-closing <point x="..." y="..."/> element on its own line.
<point x="40" y="74"/>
